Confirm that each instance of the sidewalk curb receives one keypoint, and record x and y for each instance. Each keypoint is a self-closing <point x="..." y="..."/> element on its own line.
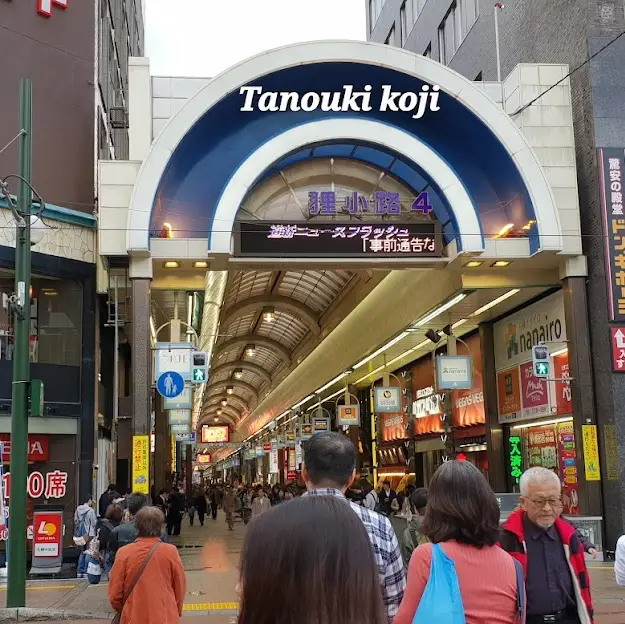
<point x="26" y="614"/>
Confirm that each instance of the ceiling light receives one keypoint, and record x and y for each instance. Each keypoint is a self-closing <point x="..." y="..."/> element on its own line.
<point x="229" y="389"/>
<point x="560" y="352"/>
<point x="269" y="314"/>
<point x="171" y="264"/>
<point x="166" y="231"/>
<point x="224" y="402"/>
<point x="500" y="263"/>
<point x="219" y="411"/>
<point x="528" y="225"/>
<point x="458" y="323"/>
<point x="473" y="264"/>
<point x="331" y="383"/>
<point x="216" y="419"/>
<point x="310" y="396"/>
<point x="497" y="301"/>
<point x="388" y="345"/>
<point x="442" y="308"/>
<point x="200" y="264"/>
<point x="238" y="373"/>
<point x="250" y="350"/>
<point x="152" y="328"/>
<point x="504" y="230"/>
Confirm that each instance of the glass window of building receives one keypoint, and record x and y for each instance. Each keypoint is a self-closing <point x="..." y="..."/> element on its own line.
<point x="55" y="321"/>
<point x="375" y="8"/>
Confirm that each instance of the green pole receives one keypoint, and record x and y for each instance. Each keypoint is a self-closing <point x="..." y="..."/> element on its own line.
<point x="16" y="589"/>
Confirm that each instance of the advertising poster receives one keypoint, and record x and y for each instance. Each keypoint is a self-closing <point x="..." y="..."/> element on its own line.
<point x="468" y="405"/>
<point x="591" y="453"/>
<point x="394" y="427"/>
<point x="141" y="464"/>
<point x="424" y="395"/>
<point x="387" y="399"/>
<point x="542" y="447"/>
<point x="562" y="373"/>
<point x="47" y="533"/>
<point x="215" y="434"/>
<point x="534" y="393"/>
<point x="273" y="462"/>
<point x="568" y="468"/>
<point x="509" y="395"/>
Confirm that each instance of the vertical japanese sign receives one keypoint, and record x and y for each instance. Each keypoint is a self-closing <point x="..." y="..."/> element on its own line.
<point x="509" y="395"/>
<point x="534" y="393"/>
<point x="568" y="468"/>
<point x="141" y="464"/>
<point x="591" y="453"/>
<point x="617" y="335"/>
<point x="562" y="374"/>
<point x="516" y="459"/>
<point x="612" y="164"/>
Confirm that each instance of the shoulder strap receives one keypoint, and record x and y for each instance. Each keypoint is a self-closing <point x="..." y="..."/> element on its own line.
<point x="520" y="590"/>
<point x="139" y="573"/>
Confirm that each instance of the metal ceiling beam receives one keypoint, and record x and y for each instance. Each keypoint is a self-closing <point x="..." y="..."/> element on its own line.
<point x="280" y="303"/>
<point x="235" y="398"/>
<point x="256" y="339"/>
<point x="249" y="366"/>
<point x="228" y="410"/>
<point x="235" y="383"/>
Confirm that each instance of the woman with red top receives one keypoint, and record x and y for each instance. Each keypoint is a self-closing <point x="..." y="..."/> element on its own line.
<point x="462" y="516"/>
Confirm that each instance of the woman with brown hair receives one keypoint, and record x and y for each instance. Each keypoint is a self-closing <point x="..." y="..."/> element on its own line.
<point x="147" y="583"/>
<point x="309" y="561"/>
<point x="462" y="520"/>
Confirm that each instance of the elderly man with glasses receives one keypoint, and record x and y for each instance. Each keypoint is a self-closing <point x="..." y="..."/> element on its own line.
<point x="556" y="578"/>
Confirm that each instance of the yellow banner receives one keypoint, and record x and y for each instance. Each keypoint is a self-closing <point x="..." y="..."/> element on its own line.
<point x="591" y="453"/>
<point x="141" y="464"/>
<point x="173" y="453"/>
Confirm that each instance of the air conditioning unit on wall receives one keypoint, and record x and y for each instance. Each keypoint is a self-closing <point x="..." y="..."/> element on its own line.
<point x="118" y="117"/>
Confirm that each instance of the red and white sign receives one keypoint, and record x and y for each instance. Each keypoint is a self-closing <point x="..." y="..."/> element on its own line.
<point x="38" y="448"/>
<point x="51" y="485"/>
<point x="562" y="372"/>
<point x="618" y="349"/>
<point x="534" y="393"/>
<point x="47" y="533"/>
<point x="44" y="7"/>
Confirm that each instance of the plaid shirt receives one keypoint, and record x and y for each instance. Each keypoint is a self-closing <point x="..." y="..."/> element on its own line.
<point x="385" y="549"/>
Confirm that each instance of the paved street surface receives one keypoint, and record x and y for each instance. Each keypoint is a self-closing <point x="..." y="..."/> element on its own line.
<point x="211" y="555"/>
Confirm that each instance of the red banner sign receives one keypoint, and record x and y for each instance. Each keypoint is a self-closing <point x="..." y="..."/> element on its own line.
<point x="562" y="373"/>
<point x="618" y="349"/>
<point x="47" y="533"/>
<point x="38" y="448"/>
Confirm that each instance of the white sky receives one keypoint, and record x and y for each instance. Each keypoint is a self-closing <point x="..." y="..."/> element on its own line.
<point x="205" y="37"/>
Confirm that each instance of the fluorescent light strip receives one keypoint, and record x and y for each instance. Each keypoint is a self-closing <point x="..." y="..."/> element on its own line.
<point x="331" y="383"/>
<point x="497" y="301"/>
<point x="310" y="396"/>
<point x="328" y="398"/>
<point x="442" y="308"/>
<point x="555" y="421"/>
<point x="560" y="352"/>
<point x="458" y="323"/>
<point x="388" y="345"/>
<point x="152" y="328"/>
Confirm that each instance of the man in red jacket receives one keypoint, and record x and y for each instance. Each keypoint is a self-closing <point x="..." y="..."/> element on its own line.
<point x="556" y="578"/>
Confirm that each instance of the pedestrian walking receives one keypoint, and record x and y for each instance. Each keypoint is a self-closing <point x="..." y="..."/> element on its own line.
<point x="462" y="575"/>
<point x="112" y="519"/>
<point x="329" y="469"/>
<point x="413" y="535"/>
<point x="85" y="521"/>
<point x="200" y="505"/>
<point x="175" y="511"/>
<point x="551" y="553"/>
<point x="261" y="503"/>
<point x="148" y="582"/>
<point x="215" y="501"/>
<point x="229" y="506"/>
<point x="323" y="569"/>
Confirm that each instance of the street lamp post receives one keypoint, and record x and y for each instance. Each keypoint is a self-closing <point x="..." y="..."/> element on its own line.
<point x="16" y="589"/>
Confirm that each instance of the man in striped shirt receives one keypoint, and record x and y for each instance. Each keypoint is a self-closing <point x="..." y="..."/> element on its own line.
<point x="329" y="469"/>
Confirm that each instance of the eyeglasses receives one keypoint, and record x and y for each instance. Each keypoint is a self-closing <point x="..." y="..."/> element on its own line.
<point x="554" y="503"/>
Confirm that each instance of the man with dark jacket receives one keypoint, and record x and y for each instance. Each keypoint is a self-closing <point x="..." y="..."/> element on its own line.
<point x="556" y="579"/>
<point x="106" y="499"/>
<point x="126" y="533"/>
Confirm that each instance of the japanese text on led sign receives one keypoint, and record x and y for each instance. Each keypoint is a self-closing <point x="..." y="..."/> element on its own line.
<point x="382" y="203"/>
<point x="348" y="99"/>
<point x="612" y="165"/>
<point x="516" y="459"/>
<point x="353" y="240"/>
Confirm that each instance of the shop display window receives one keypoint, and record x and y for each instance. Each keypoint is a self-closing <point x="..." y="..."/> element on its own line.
<point x="551" y="445"/>
<point x="55" y="321"/>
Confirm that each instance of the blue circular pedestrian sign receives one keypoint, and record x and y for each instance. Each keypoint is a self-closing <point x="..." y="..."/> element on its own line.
<point x="170" y="384"/>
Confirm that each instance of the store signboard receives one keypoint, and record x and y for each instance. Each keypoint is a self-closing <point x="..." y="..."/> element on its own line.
<point x="612" y="167"/>
<point x="468" y="404"/>
<point x="394" y="427"/>
<point x="567" y="451"/>
<point x="38" y="447"/>
<point x="591" y="453"/>
<point x="541" y="446"/>
<point x="348" y="415"/>
<point x="173" y="357"/>
<point x="182" y="401"/>
<point x="47" y="534"/>
<point x="515" y="459"/>
<point x="562" y="373"/>
<point x="387" y="399"/>
<point x="273" y="462"/>
<point x="215" y="434"/>
<point x="617" y="335"/>
<point x="180" y="417"/>
<point x="454" y="372"/>
<point x="422" y="374"/>
<point x="509" y="395"/>
<point x="516" y="334"/>
<point x="141" y="464"/>
<point x="534" y="393"/>
<point x="306" y="239"/>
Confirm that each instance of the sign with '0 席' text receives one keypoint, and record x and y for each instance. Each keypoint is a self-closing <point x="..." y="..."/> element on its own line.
<point x="420" y="239"/>
<point x="349" y="99"/>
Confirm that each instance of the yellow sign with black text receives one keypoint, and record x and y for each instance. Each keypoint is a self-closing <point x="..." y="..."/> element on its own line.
<point x="591" y="453"/>
<point x="141" y="464"/>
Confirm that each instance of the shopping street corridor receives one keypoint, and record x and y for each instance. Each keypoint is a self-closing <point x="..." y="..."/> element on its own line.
<point x="210" y="555"/>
